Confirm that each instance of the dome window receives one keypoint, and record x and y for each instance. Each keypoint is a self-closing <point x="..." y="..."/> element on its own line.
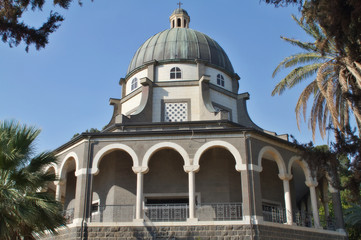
<point x="175" y="73"/>
<point x="134" y="84"/>
<point x="220" y="80"/>
<point x="179" y="22"/>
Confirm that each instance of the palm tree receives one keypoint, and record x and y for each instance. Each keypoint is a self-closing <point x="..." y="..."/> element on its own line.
<point x="25" y="210"/>
<point x="333" y="85"/>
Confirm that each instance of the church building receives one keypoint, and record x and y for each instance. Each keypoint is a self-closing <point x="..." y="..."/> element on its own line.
<point x="181" y="158"/>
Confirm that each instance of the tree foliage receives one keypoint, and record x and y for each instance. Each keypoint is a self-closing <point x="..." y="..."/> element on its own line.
<point x="340" y="23"/>
<point x="91" y="130"/>
<point x="284" y="3"/>
<point x="14" y="31"/>
<point x="342" y="158"/>
<point x="329" y="80"/>
<point x="24" y="210"/>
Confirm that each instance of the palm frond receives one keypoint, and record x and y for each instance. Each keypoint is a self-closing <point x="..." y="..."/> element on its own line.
<point x="23" y="209"/>
<point x="294" y="77"/>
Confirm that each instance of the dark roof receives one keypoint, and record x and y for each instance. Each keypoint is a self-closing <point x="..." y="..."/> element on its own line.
<point x="181" y="44"/>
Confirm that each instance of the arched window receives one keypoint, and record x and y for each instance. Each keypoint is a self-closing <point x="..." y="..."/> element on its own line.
<point x="220" y="80"/>
<point x="173" y="23"/>
<point x="175" y="73"/>
<point x="134" y="84"/>
<point x="179" y="22"/>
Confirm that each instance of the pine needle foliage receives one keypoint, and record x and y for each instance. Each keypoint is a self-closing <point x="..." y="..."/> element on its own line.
<point x="14" y="31"/>
<point x="25" y="210"/>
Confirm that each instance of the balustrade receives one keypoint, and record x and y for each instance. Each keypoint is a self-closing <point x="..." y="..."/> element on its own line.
<point x="219" y="211"/>
<point x="68" y="215"/>
<point x="113" y="213"/>
<point x="166" y="212"/>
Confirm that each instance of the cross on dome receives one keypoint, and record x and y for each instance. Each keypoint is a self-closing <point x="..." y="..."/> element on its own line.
<point x="179" y="18"/>
<point x="180" y="4"/>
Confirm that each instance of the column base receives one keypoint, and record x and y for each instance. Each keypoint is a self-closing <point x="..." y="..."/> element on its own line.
<point x="192" y="220"/>
<point x="138" y="220"/>
<point x="77" y="220"/>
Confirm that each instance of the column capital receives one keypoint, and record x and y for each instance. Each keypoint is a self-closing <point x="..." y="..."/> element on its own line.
<point x="83" y="171"/>
<point x="285" y="176"/>
<point x="191" y="168"/>
<point x="311" y="183"/>
<point x="256" y="168"/>
<point x="140" y="169"/>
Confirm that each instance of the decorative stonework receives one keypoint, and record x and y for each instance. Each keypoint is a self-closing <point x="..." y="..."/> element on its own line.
<point x="176" y="112"/>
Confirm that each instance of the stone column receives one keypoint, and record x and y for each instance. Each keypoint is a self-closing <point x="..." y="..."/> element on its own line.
<point x="256" y="194"/>
<point x="58" y="185"/>
<point x="312" y="184"/>
<point x="246" y="205"/>
<point x="288" y="203"/>
<point x="337" y="208"/>
<point x="140" y="171"/>
<point x="191" y="170"/>
<point x="139" y="201"/>
<point x="79" y="196"/>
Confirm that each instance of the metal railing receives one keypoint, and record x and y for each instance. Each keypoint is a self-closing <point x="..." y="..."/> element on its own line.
<point x="274" y="214"/>
<point x="302" y="218"/>
<point x="166" y="212"/>
<point x="219" y="211"/>
<point x="328" y="222"/>
<point x="68" y="215"/>
<point x="113" y="213"/>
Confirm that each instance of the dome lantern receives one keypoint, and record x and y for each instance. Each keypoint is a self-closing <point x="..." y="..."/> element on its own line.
<point x="179" y="18"/>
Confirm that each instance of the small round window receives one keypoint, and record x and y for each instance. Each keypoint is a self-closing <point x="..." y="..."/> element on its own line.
<point x="220" y="80"/>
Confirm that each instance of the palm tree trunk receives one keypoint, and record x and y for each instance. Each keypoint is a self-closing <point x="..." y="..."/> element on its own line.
<point x="353" y="102"/>
<point x="354" y="68"/>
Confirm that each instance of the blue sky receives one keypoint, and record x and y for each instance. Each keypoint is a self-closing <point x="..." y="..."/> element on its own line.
<point x="65" y="88"/>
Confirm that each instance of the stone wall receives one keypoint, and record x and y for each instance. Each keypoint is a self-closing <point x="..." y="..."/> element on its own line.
<point x="274" y="233"/>
<point x="241" y="232"/>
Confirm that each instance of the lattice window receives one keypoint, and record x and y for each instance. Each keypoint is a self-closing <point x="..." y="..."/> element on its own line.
<point x="176" y="112"/>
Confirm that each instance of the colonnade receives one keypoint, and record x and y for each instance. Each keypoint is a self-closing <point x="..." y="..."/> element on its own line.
<point x="191" y="169"/>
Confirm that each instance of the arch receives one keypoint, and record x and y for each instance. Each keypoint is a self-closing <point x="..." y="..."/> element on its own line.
<point x="55" y="167"/>
<point x="52" y="165"/>
<point x="65" y="159"/>
<point x="179" y="22"/>
<point x="277" y="157"/>
<point x="164" y="145"/>
<point x="237" y="156"/>
<point x="303" y="164"/>
<point x="109" y="148"/>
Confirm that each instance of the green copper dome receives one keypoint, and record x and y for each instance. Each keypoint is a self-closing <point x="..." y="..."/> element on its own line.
<point x="181" y="44"/>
